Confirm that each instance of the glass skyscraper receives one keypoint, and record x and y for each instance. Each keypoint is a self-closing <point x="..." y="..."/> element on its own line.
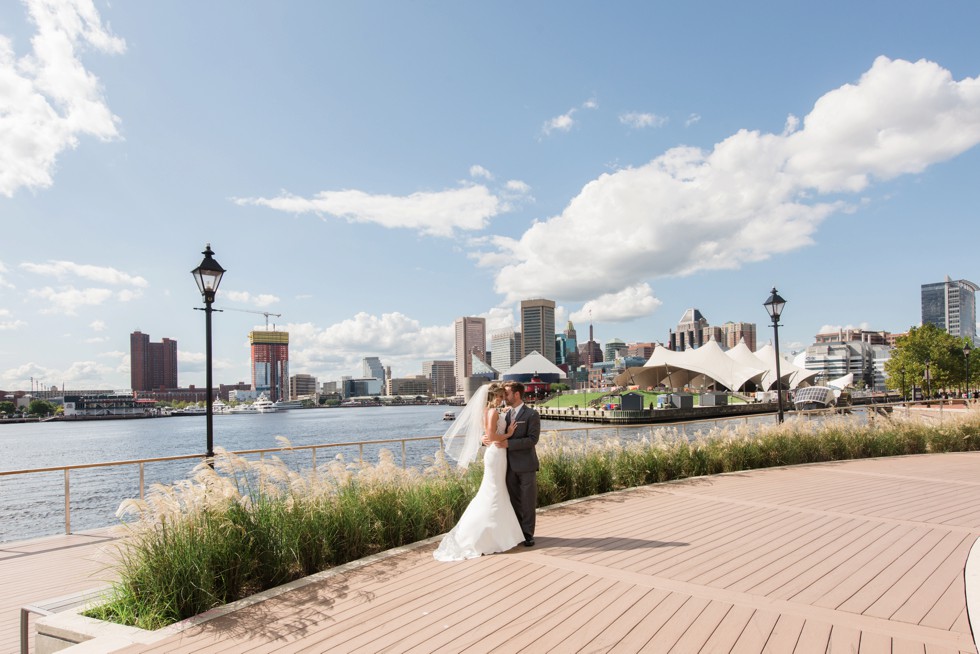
<point x="951" y="306"/>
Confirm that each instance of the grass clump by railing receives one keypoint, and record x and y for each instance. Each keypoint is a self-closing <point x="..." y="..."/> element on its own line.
<point x="247" y="526"/>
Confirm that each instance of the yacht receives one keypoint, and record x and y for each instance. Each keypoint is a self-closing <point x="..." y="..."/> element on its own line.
<point x="219" y="407"/>
<point x="243" y="408"/>
<point x="449" y="415"/>
<point x="265" y="405"/>
<point x="283" y="405"/>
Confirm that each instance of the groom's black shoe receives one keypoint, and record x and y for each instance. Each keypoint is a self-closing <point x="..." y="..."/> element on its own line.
<point x="529" y="542"/>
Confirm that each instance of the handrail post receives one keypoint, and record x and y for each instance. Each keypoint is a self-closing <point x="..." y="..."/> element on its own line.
<point x="403" y="455"/>
<point x="360" y="453"/>
<point x="141" y="482"/>
<point x="67" y="502"/>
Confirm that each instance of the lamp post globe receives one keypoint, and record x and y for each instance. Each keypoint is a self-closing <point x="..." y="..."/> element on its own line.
<point x="208" y="277"/>
<point x="774" y="306"/>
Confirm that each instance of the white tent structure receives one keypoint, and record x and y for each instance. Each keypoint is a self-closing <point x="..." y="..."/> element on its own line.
<point x="709" y="366"/>
<point x="534" y="363"/>
<point x="791" y="374"/>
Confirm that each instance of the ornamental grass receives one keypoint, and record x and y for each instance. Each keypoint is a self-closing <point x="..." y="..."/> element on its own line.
<point x="247" y="526"/>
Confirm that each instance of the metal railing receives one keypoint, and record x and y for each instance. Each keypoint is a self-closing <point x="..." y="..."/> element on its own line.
<point x="183" y="457"/>
<point x="633" y="431"/>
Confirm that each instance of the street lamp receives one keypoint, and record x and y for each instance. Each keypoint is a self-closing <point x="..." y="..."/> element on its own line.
<point x="966" y="355"/>
<point x="774" y="305"/>
<point x="208" y="277"/>
<point x="928" y="382"/>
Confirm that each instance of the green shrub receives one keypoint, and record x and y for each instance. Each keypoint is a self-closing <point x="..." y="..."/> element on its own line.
<point x="248" y="526"/>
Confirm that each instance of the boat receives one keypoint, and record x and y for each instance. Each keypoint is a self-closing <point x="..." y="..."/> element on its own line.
<point x="264" y="405"/>
<point x="219" y="407"/>
<point x="243" y="408"/>
<point x="190" y="410"/>
<point x="449" y="415"/>
<point x="815" y="397"/>
<point x="285" y="405"/>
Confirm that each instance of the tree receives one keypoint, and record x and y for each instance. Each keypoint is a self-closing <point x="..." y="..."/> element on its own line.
<point x="40" y="408"/>
<point x="921" y="346"/>
<point x="8" y="408"/>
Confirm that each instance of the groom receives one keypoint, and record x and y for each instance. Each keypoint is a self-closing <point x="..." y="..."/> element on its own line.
<point x="522" y="460"/>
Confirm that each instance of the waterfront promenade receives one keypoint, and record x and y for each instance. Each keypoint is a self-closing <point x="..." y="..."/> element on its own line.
<point x="861" y="556"/>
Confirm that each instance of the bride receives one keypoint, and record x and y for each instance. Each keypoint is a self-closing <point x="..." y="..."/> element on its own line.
<point x="489" y="523"/>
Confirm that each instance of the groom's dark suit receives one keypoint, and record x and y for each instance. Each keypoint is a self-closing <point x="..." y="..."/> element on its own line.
<point x="522" y="466"/>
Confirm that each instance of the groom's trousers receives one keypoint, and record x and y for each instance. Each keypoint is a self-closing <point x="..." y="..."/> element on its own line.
<point x="523" y="490"/>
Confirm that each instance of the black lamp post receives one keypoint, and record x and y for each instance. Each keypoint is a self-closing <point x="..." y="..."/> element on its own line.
<point x="928" y="382"/>
<point x="966" y="355"/>
<point x="208" y="277"/>
<point x="774" y="305"/>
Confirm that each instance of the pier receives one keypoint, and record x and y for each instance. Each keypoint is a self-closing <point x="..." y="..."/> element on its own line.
<point x="869" y="555"/>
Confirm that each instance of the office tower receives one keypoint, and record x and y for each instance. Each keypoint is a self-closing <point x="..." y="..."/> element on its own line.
<point x="371" y="367"/>
<point x="951" y="306"/>
<point x="571" y="346"/>
<point x="442" y="375"/>
<point x="738" y="331"/>
<point x="690" y="331"/>
<point x="641" y="350"/>
<point x="538" y="328"/>
<point x="471" y="339"/>
<point x="302" y="385"/>
<point x="590" y="352"/>
<point x="614" y="348"/>
<point x="270" y="363"/>
<point x="152" y="366"/>
<point x="505" y="344"/>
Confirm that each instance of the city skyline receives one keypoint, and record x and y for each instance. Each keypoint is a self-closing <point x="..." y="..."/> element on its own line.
<point x="372" y="172"/>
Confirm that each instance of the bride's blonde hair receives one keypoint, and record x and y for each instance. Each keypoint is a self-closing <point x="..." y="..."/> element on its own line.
<point x="495" y="389"/>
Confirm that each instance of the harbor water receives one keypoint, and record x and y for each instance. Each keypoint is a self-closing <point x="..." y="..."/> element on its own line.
<point x="33" y="505"/>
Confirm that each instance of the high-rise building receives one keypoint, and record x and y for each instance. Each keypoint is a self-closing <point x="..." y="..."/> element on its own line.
<point x="614" y="348"/>
<point x="690" y="332"/>
<point x="302" y="385"/>
<point x="590" y="352"/>
<point x="505" y="344"/>
<point x="442" y="376"/>
<point x="571" y="346"/>
<point x="951" y="306"/>
<point x="538" y="328"/>
<point x="152" y="366"/>
<point x="738" y="331"/>
<point x="270" y="363"/>
<point x="371" y="367"/>
<point x="641" y="350"/>
<point x="471" y="339"/>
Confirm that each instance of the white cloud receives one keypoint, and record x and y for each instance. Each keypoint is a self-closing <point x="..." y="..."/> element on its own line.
<point x="830" y="329"/>
<point x="399" y="341"/>
<point x="637" y="120"/>
<point x="97" y="325"/>
<point x="480" y="171"/>
<point x="11" y="325"/>
<point x="632" y="302"/>
<point x="103" y="274"/>
<point x="562" y="123"/>
<point x="69" y="299"/>
<point x="97" y="339"/>
<point x="438" y="213"/>
<point x="47" y="98"/>
<point x="591" y="103"/>
<point x="692" y="119"/>
<point x="751" y="196"/>
<point x="3" y="282"/>
<point x="261" y="300"/>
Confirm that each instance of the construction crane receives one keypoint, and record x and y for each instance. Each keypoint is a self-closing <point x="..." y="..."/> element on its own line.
<point x="264" y="313"/>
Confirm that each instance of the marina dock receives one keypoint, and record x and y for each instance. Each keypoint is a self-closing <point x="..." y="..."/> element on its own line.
<point x="860" y="556"/>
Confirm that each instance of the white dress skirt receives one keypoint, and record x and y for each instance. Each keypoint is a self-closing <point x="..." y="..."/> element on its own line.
<point x="489" y="523"/>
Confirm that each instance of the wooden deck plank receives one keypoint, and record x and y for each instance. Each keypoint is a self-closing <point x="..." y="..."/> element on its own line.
<point x="807" y="559"/>
<point x="814" y="638"/>
<point x="629" y="620"/>
<point x="729" y="630"/>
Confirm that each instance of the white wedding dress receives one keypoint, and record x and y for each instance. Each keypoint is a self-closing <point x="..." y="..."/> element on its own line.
<point x="489" y="523"/>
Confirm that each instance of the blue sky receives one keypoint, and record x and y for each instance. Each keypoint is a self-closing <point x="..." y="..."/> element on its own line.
<point x="374" y="170"/>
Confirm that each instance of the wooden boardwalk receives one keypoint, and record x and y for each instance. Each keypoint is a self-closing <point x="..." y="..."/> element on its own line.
<point x="857" y="556"/>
